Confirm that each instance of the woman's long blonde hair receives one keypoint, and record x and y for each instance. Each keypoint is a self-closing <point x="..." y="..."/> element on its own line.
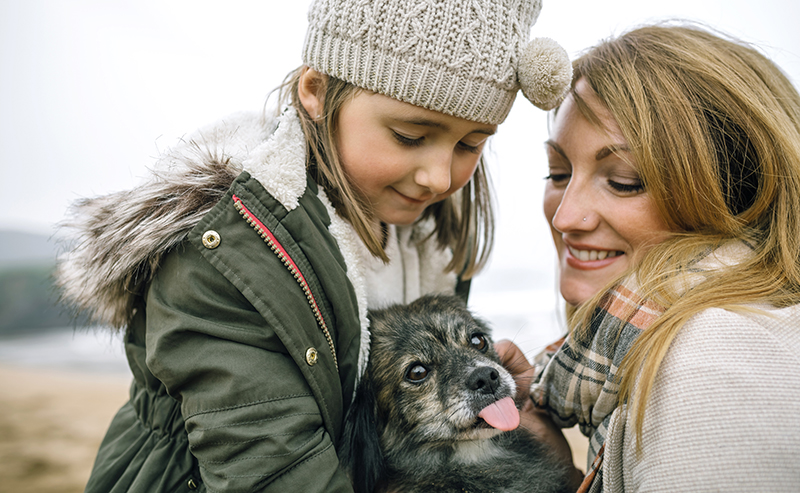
<point x="464" y="221"/>
<point x="714" y="128"/>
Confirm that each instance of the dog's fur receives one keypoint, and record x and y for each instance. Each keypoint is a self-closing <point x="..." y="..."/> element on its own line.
<point x="402" y="435"/>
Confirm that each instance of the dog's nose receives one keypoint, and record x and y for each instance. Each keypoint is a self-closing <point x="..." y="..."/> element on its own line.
<point x="484" y="380"/>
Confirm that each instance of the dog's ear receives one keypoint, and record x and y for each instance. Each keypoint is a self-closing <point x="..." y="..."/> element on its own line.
<point x="360" y="452"/>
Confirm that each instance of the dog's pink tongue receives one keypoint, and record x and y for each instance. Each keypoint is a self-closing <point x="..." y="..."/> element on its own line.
<point x="502" y="414"/>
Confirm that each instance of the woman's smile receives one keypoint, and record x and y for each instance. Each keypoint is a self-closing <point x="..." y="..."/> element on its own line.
<point x="601" y="217"/>
<point x="581" y="256"/>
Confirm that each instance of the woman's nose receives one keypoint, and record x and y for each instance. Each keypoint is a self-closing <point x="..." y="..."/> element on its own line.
<point x="575" y="212"/>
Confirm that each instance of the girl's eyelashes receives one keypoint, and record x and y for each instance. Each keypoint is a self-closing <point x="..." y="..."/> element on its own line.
<point x="407" y="141"/>
<point x="466" y="147"/>
<point x="416" y="142"/>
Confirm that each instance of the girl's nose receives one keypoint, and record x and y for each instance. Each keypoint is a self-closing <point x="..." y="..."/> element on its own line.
<point x="434" y="174"/>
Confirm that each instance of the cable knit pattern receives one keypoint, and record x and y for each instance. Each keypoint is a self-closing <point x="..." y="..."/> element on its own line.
<point x="723" y="412"/>
<point x="457" y="57"/>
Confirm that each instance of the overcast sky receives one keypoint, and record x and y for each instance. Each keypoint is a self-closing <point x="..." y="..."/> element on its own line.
<point x="92" y="90"/>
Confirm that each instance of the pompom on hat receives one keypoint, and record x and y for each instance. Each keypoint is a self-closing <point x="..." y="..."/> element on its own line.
<point x="465" y="58"/>
<point x="544" y="72"/>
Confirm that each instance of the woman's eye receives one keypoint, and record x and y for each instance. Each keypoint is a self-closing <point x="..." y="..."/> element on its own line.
<point x="416" y="373"/>
<point x="407" y="141"/>
<point x="479" y="342"/>
<point x="626" y="188"/>
<point x="558" y="178"/>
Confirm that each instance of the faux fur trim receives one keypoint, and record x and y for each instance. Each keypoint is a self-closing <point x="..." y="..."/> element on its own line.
<point x="351" y="247"/>
<point x="114" y="242"/>
<point x="280" y="163"/>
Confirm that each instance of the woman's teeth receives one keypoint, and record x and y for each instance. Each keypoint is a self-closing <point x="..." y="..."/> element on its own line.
<point x="587" y="255"/>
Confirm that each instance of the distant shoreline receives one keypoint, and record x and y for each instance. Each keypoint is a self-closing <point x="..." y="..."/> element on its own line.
<point x="81" y="350"/>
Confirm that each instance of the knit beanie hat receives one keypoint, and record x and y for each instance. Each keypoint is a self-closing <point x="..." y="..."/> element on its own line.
<point x="459" y="57"/>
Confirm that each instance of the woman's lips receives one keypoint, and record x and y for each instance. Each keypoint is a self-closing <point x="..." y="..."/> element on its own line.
<point x="588" y="259"/>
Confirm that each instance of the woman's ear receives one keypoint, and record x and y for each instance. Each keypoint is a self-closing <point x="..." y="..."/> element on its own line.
<point x="310" y="90"/>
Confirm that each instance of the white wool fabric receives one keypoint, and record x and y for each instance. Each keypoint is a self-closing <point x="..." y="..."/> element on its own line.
<point x="723" y="411"/>
<point x="544" y="73"/>
<point x="458" y="57"/>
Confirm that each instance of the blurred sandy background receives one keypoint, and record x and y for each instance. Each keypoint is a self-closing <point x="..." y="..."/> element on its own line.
<point x="52" y="422"/>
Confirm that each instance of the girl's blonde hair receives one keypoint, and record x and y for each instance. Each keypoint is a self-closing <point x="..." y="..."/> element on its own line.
<point x="714" y="128"/>
<point x="464" y="221"/>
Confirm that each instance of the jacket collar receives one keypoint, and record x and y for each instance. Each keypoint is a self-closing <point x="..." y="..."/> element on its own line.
<point x="116" y="241"/>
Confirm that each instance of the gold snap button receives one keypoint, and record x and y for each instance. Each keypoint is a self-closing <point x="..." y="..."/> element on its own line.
<point x="312" y="356"/>
<point x="192" y="485"/>
<point x="211" y="239"/>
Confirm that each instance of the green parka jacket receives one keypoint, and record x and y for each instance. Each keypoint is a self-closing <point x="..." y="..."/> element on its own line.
<point x="244" y="316"/>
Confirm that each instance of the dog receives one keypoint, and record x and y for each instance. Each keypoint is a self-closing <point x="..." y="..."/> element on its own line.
<point x="434" y="411"/>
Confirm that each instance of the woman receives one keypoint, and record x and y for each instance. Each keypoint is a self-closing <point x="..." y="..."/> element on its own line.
<point x="673" y="198"/>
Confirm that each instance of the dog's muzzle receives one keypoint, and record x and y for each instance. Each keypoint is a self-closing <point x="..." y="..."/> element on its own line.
<point x="484" y="380"/>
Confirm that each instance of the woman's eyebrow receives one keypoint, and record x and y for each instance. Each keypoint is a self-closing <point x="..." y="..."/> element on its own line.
<point x="555" y="147"/>
<point x="608" y="150"/>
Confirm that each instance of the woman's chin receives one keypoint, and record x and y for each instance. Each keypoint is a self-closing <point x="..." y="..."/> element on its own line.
<point x="577" y="294"/>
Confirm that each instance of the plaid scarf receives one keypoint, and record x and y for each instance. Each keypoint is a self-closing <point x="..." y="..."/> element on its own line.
<point x="578" y="378"/>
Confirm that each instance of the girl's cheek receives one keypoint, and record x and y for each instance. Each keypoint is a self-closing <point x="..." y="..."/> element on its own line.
<point x="461" y="174"/>
<point x="466" y="175"/>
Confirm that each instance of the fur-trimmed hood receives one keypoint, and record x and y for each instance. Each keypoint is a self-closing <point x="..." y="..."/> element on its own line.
<point x="116" y="241"/>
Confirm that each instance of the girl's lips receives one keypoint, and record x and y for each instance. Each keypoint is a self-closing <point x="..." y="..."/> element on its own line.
<point x="590" y="259"/>
<point x="410" y="199"/>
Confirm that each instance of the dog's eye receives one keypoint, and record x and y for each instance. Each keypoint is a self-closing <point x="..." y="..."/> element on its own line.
<point x="479" y="342"/>
<point x="416" y="373"/>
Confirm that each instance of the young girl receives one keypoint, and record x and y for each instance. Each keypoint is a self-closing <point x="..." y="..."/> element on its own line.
<point x="673" y="198"/>
<point x="242" y="270"/>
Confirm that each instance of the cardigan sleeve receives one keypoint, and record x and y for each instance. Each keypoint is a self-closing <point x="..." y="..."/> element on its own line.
<point x="252" y="421"/>
<point x="724" y="413"/>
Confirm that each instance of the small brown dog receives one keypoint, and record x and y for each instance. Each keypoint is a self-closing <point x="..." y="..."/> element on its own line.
<point x="434" y="411"/>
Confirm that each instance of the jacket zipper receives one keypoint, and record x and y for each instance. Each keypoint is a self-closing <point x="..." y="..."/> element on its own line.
<point x="284" y="257"/>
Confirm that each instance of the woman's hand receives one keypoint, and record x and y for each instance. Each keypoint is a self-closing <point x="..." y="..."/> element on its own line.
<point x="512" y="358"/>
<point x="536" y="421"/>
